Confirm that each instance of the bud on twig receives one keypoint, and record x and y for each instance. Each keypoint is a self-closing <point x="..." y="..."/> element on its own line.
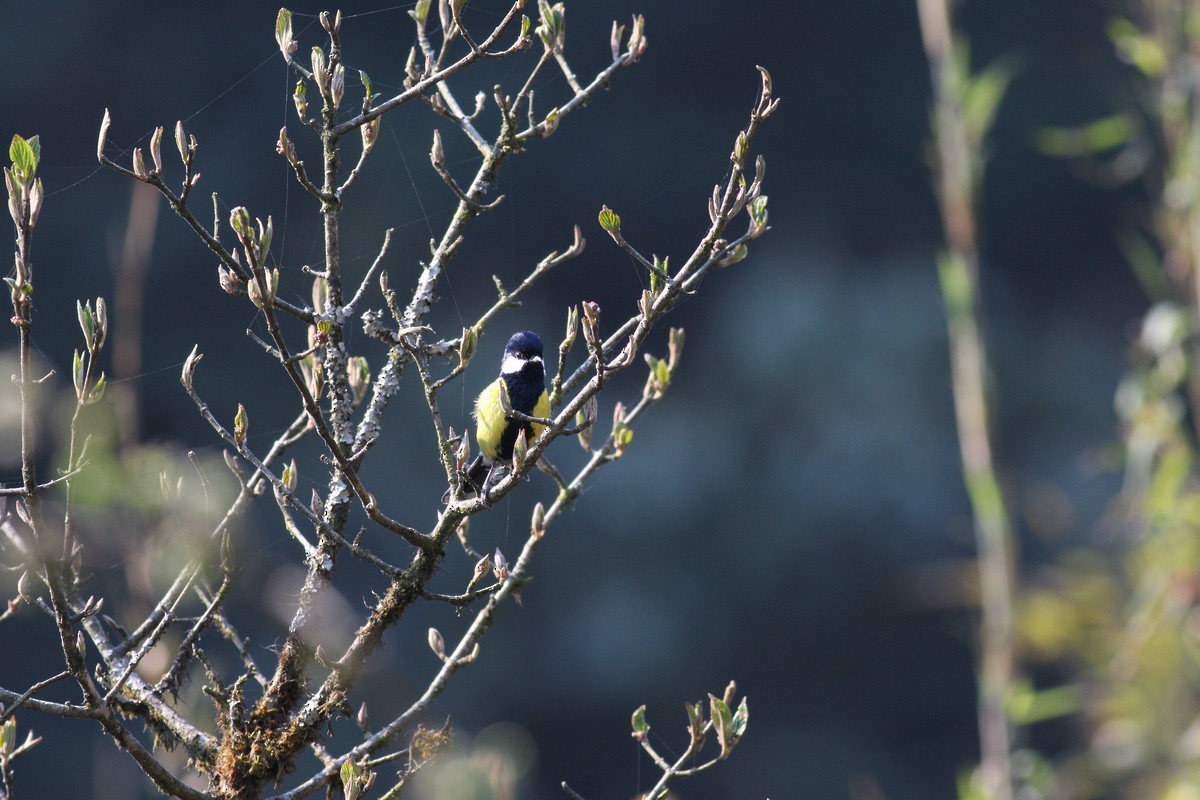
<point x="695" y="713"/>
<point x="139" y="164"/>
<point x="675" y="339"/>
<point x="572" y="330"/>
<point x="370" y="133"/>
<point x="331" y="24"/>
<point x="290" y="476"/>
<point x="360" y="377"/>
<point x="591" y="324"/>
<point x="520" y="449"/>
<point x="24" y="589"/>
<point x="35" y="201"/>
<point x="181" y="142"/>
<point x="285" y="147"/>
<point x="189" y="367"/>
<point x="499" y="566"/>
<point x="638" y="723"/>
<point x="283" y="34"/>
<point x="637" y="38"/>
<point x="538" y="522"/>
<point x="757" y="209"/>
<point x="337" y="86"/>
<point x="356" y="780"/>
<point x="463" y="452"/>
<point x="552" y="29"/>
<point x="481" y="568"/>
<point x="255" y="288"/>
<point x="83" y="312"/>
<point x="156" y="149"/>
<point x="320" y="71"/>
<point x="241" y="425"/>
<point x="437" y="156"/>
<point x="229" y="279"/>
<point x="614" y="39"/>
<point x="611" y="223"/>
<point x="437" y="644"/>
<point x="104" y="125"/>
<point x="419" y="12"/>
<point x="467" y="345"/>
<point x="300" y="99"/>
<point x="731" y="257"/>
<point x="622" y="435"/>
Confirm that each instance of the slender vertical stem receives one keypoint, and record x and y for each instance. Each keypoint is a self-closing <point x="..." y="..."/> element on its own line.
<point x="956" y="168"/>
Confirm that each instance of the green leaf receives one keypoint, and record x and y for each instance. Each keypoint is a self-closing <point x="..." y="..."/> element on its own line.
<point x="86" y="321"/>
<point x="609" y="220"/>
<point x="23" y="157"/>
<point x="8" y="737"/>
<point x="420" y="11"/>
<point x="1136" y="47"/>
<point x="661" y="373"/>
<point x="722" y="721"/>
<point x="982" y="96"/>
<point x="640" y="726"/>
<point x="741" y="719"/>
<point x="283" y="32"/>
<point x="695" y="713"/>
<point x="1106" y="133"/>
<point x="78" y="371"/>
<point x="241" y="425"/>
<point x="366" y="82"/>
<point x="98" y="390"/>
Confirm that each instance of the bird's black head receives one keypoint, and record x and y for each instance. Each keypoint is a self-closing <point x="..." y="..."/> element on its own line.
<point x="524" y="345"/>
<point x="523" y="355"/>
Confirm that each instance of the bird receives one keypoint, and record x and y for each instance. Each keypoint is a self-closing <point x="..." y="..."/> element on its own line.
<point x="523" y="379"/>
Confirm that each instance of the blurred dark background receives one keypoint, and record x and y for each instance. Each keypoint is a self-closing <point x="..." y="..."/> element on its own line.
<point x="792" y="516"/>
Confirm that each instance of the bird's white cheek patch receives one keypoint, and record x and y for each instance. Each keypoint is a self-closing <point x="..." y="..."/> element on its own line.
<point x="513" y="364"/>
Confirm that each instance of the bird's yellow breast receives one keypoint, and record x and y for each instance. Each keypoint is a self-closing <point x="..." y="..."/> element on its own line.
<point x="490" y="422"/>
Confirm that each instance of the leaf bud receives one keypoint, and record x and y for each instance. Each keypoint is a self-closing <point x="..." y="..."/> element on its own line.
<point x="337" y="86"/>
<point x="360" y="377"/>
<point x="614" y="39"/>
<point x="437" y="156"/>
<point x="611" y="223"/>
<point x="436" y="643"/>
<point x="466" y="347"/>
<point x="189" y="367"/>
<point x="290" y="476"/>
<point x="320" y="71"/>
<point x="181" y="142"/>
<point x="481" y="568"/>
<point x="139" y="164"/>
<point x="104" y="124"/>
<point x="300" y="99"/>
<point x="283" y="34"/>
<point x="25" y="588"/>
<point x="241" y="425"/>
<point x="156" y="149"/>
<point x="639" y="724"/>
<point x="499" y="566"/>
<point x="538" y="522"/>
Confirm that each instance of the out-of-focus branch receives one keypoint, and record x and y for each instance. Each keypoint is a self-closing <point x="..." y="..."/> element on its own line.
<point x="956" y="167"/>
